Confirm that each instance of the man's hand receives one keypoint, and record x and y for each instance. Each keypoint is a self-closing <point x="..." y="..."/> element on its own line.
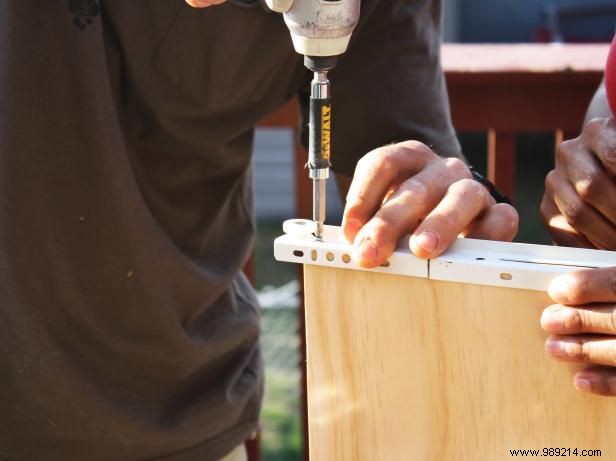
<point x="204" y="3"/>
<point x="583" y="326"/>
<point x="406" y="188"/>
<point x="578" y="205"/>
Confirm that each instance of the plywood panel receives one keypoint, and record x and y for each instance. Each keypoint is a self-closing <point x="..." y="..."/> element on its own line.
<point x="402" y="368"/>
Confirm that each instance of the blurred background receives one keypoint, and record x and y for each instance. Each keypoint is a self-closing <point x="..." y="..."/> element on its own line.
<point x="465" y="21"/>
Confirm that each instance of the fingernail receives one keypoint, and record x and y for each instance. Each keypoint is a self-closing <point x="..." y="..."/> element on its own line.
<point x="553" y="320"/>
<point x="555" y="348"/>
<point x="563" y="349"/>
<point x="426" y="241"/>
<point x="367" y="251"/>
<point x="582" y="384"/>
<point x="559" y="289"/>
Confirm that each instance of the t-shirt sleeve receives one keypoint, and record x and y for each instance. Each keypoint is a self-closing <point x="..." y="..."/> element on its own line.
<point x="389" y="85"/>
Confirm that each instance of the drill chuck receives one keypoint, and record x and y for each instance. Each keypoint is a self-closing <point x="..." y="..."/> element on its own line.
<point x="319" y="27"/>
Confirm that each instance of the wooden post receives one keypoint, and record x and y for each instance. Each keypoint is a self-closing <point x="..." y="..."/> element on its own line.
<point x="501" y="161"/>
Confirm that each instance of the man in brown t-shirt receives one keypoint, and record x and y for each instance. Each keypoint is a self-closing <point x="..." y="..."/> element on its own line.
<point x="127" y="331"/>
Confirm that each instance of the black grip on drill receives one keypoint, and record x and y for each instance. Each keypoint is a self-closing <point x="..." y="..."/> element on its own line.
<point x="320" y="133"/>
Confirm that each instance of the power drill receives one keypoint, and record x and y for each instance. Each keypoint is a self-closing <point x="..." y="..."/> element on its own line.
<point x="320" y="30"/>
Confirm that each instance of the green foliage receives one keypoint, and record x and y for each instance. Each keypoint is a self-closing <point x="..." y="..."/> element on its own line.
<point x="281" y="434"/>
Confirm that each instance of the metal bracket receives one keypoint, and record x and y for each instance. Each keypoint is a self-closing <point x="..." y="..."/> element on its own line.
<point x="479" y="262"/>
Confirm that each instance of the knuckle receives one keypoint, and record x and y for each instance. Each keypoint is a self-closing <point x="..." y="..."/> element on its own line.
<point x="575" y="320"/>
<point x="415" y="189"/>
<point x="458" y="168"/>
<point x="551" y="180"/>
<point x="468" y="187"/>
<point x="368" y="159"/>
<point x="386" y="160"/>
<point x="512" y="218"/>
<point x="594" y="126"/>
<point x="588" y="188"/>
<point x="359" y="166"/>
<point x="546" y="208"/>
<point x="566" y="149"/>
<point x="583" y="351"/>
<point x="413" y="147"/>
<point x="575" y="213"/>
<point x="610" y="152"/>
<point x="503" y="222"/>
<point x="601" y="131"/>
<point x="355" y="209"/>
<point x="382" y="230"/>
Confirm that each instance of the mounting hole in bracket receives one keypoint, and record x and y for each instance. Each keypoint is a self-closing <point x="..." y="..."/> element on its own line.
<point x="346" y="259"/>
<point x="506" y="276"/>
<point x="298" y="253"/>
<point x="480" y="259"/>
<point x="314" y="255"/>
<point x="330" y="256"/>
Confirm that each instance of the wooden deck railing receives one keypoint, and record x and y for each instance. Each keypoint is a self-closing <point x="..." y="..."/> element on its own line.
<point x="501" y="90"/>
<point x="508" y="89"/>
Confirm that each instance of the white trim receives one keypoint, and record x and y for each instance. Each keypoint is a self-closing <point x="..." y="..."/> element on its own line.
<point x="480" y="262"/>
<point x="299" y="249"/>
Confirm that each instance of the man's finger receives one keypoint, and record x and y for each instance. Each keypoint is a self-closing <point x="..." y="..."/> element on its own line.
<point x="563" y="320"/>
<point x="581" y="216"/>
<point x="376" y="173"/>
<point x="558" y="227"/>
<point x="464" y="202"/>
<point x="597" y="380"/>
<point x="582" y="349"/>
<point x="500" y="223"/>
<point x="585" y="287"/>
<point x="600" y="136"/>
<point x="402" y="211"/>
<point x="588" y="177"/>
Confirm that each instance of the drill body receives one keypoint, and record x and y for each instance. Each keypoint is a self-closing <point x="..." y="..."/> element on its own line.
<point x="321" y="31"/>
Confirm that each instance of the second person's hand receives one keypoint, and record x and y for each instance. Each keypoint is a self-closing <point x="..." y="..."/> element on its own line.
<point x="578" y="205"/>
<point x="583" y="327"/>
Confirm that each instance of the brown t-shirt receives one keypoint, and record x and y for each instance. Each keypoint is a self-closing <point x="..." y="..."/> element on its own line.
<point x="126" y="329"/>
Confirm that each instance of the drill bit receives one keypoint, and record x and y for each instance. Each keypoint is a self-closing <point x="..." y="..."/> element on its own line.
<point x="319" y="146"/>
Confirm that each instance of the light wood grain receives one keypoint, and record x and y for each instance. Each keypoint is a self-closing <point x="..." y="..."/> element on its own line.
<point x="401" y="368"/>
